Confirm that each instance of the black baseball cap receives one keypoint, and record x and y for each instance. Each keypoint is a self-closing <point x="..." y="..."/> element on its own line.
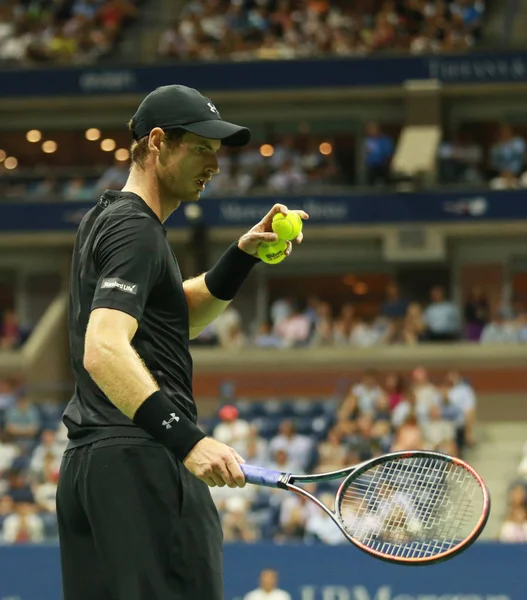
<point x="181" y="107"/>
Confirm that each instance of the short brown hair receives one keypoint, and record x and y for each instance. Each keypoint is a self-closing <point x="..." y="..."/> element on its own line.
<point x="139" y="148"/>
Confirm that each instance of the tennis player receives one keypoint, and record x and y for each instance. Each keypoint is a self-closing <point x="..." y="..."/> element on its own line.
<point x="136" y="518"/>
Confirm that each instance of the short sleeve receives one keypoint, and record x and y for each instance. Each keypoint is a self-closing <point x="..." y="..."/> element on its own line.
<point x="128" y="258"/>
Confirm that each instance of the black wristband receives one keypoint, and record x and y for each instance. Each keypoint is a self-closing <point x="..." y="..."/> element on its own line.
<point x="228" y="274"/>
<point x="168" y="425"/>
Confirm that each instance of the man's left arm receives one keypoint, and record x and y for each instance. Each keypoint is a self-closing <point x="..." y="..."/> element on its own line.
<point x="209" y="294"/>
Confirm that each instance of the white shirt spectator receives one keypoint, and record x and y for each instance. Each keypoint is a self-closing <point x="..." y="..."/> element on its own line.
<point x="462" y="396"/>
<point x="286" y="179"/>
<point x="8" y="453"/>
<point x="363" y="336"/>
<point x="498" y="332"/>
<point x="322" y="526"/>
<point x="512" y="532"/>
<point x="14" y="523"/>
<point x="294" y="329"/>
<point x="426" y="395"/>
<point x="280" y="310"/>
<point x="45" y="496"/>
<point x="442" y="317"/>
<point x="298" y="448"/>
<point x="234" y="434"/>
<point x="367" y="397"/>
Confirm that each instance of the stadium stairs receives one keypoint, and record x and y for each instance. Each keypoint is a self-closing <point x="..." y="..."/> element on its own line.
<point x="496" y="457"/>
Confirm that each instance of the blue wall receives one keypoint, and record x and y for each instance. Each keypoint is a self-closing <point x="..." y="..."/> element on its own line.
<point x="485" y="572"/>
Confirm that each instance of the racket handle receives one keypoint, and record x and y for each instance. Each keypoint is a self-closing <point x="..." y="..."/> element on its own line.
<point x="261" y="476"/>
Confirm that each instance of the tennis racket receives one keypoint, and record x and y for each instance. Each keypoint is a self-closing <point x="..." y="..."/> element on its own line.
<point x="412" y="508"/>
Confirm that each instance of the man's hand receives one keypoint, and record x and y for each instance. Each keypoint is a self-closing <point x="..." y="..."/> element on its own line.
<point x="216" y="464"/>
<point x="263" y="231"/>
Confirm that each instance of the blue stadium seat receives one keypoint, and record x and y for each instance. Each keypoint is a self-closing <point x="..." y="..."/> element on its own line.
<point x="303" y="425"/>
<point x="268" y="428"/>
<point x="275" y="408"/>
<point x="305" y="408"/>
<point x="249" y="409"/>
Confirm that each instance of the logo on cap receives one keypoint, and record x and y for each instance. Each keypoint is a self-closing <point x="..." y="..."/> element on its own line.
<point x="213" y="108"/>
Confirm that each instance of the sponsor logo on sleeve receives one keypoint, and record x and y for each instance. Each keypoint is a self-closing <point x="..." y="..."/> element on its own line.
<point x="114" y="283"/>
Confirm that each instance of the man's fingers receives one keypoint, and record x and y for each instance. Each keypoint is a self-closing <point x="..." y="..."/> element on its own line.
<point x="223" y="470"/>
<point x="301" y="213"/>
<point x="237" y="456"/>
<point x="289" y="248"/>
<point x="238" y="478"/>
<point x="299" y="238"/>
<point x="267" y="236"/>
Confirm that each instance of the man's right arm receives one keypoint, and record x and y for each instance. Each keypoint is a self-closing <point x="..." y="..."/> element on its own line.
<point x="128" y="253"/>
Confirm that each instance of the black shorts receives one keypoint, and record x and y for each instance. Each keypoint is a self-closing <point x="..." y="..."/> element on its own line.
<point x="134" y="524"/>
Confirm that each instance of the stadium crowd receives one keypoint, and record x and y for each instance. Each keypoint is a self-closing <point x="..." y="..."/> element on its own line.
<point x="296" y="435"/>
<point x="62" y="31"/>
<point x="315" y="322"/>
<point x="289" y="29"/>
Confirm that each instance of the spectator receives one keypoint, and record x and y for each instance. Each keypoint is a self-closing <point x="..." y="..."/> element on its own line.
<point x="9" y="331"/>
<point x="499" y="330"/>
<point x="280" y="310"/>
<point x="521" y="323"/>
<point x="394" y="307"/>
<point x="232" y="431"/>
<point x="514" y="529"/>
<point x="8" y="452"/>
<point x="394" y="387"/>
<point x="368" y="392"/>
<point x="507" y="158"/>
<point x="410" y="404"/>
<point x="408" y="435"/>
<point x="48" y="446"/>
<point x="46" y="490"/>
<point x="227" y="327"/>
<point x="237" y="523"/>
<point x="414" y="326"/>
<point x="378" y="150"/>
<point x="22" y="422"/>
<point x="320" y="526"/>
<point x="438" y="433"/>
<point x="442" y="317"/>
<point x="463" y="397"/>
<point x="295" y="329"/>
<point x="288" y="177"/>
<point x="113" y="178"/>
<point x="298" y="447"/>
<point x="24" y="526"/>
<point x="265" y="338"/>
<point x="476" y="313"/>
<point x="7" y="395"/>
<point x="268" y="589"/>
<point x="460" y="160"/>
<point x="331" y="452"/>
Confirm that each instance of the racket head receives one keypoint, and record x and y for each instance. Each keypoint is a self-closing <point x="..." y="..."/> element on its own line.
<point x="414" y="507"/>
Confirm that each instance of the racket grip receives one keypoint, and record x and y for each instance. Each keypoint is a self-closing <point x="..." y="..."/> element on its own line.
<point x="261" y="476"/>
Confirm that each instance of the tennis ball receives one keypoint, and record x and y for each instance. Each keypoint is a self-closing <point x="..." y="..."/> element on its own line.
<point x="272" y="252"/>
<point x="287" y="227"/>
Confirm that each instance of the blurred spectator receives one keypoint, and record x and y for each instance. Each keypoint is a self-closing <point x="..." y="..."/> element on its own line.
<point x="394" y="387"/>
<point x="320" y="526"/>
<point x="331" y="452"/>
<point x="460" y="160"/>
<point x="227" y="327"/>
<point x="7" y="394"/>
<point x="232" y="431"/>
<point x="499" y="330"/>
<point x="8" y="452"/>
<point x="113" y="178"/>
<point x="22" y="422"/>
<point x="287" y="177"/>
<point x="294" y="330"/>
<point x="477" y="309"/>
<point x="438" y="433"/>
<point x="237" y="524"/>
<point x="507" y="158"/>
<point x="378" y="151"/>
<point x="280" y="310"/>
<point x="265" y="338"/>
<point x="298" y="447"/>
<point x="77" y="190"/>
<point x="9" y="331"/>
<point x="462" y="396"/>
<point x="442" y="317"/>
<point x="368" y="393"/>
<point x="48" y="447"/>
<point x="394" y="307"/>
<point x="514" y="529"/>
<point x="24" y="525"/>
<point x="521" y="323"/>
<point x="46" y="489"/>
<point x="268" y="589"/>
<point x="408" y="435"/>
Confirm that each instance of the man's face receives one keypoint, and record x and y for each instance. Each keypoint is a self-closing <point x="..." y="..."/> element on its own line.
<point x="186" y="166"/>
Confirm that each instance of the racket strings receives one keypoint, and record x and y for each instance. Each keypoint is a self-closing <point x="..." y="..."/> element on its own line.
<point x="414" y="507"/>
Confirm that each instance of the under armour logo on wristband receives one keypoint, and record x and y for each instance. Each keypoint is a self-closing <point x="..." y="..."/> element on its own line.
<point x="167" y="423"/>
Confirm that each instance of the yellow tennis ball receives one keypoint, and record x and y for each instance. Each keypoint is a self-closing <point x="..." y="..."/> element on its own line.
<point x="272" y="252"/>
<point x="287" y="227"/>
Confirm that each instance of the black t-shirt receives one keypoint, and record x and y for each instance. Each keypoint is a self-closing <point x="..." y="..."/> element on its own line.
<point x="122" y="260"/>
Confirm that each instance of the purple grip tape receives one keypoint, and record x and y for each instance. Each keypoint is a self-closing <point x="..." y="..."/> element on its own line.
<point x="260" y="476"/>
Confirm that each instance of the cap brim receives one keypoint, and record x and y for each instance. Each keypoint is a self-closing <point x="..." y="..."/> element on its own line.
<point x="229" y="133"/>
